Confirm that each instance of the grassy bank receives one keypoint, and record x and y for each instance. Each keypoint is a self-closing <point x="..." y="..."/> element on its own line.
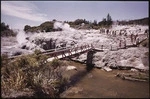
<point x="31" y="76"/>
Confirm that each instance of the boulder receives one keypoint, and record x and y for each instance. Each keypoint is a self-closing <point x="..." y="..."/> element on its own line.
<point x="71" y="68"/>
<point x="107" y="69"/>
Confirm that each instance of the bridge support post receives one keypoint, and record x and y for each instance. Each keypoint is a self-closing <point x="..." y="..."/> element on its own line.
<point x="89" y="62"/>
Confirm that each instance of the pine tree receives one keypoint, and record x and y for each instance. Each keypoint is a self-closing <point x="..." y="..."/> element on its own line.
<point x="109" y="20"/>
<point x="95" y="23"/>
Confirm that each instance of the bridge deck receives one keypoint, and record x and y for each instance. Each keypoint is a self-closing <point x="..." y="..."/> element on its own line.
<point x="67" y="52"/>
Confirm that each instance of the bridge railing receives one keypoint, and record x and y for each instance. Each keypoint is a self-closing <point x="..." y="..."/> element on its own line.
<point x="69" y="51"/>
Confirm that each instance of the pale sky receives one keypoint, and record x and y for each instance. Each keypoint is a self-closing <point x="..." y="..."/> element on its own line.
<point x="17" y="14"/>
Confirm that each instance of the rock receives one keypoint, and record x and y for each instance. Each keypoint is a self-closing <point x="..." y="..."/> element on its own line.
<point x="107" y="69"/>
<point x="123" y="59"/>
<point x="133" y="69"/>
<point x="134" y="79"/>
<point x="23" y="47"/>
<point x="133" y="76"/>
<point x="71" y="68"/>
<point x="81" y="58"/>
<point x="17" y="53"/>
<point x="140" y="66"/>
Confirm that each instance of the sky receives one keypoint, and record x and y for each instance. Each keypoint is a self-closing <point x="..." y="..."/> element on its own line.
<point x="17" y="14"/>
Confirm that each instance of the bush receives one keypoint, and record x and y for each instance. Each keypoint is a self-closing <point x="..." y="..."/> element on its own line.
<point x="27" y="27"/>
<point x="46" y="26"/>
<point x="5" y="31"/>
<point x="55" y="63"/>
<point x="4" y="59"/>
<point x="145" y="43"/>
<point x="29" y="72"/>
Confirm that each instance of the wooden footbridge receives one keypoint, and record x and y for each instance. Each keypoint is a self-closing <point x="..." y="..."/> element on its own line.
<point x="64" y="52"/>
<point x="68" y="52"/>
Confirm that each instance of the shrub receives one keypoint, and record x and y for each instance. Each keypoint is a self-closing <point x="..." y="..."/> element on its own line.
<point x="55" y="63"/>
<point x="29" y="71"/>
<point x="145" y="43"/>
<point x="4" y="59"/>
<point x="17" y="53"/>
<point x="5" y="31"/>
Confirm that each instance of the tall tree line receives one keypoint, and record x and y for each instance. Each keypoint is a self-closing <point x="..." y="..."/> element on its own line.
<point x="6" y="31"/>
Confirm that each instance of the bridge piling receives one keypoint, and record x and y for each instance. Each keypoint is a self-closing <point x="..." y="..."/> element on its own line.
<point x="89" y="62"/>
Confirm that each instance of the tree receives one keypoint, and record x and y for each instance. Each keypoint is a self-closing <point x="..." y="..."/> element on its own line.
<point x="27" y="27"/>
<point x="5" y="31"/>
<point x="95" y="23"/>
<point x="4" y="27"/>
<point x="47" y="26"/>
<point x="109" y="20"/>
<point x="104" y="21"/>
<point x="54" y="20"/>
<point x="79" y="21"/>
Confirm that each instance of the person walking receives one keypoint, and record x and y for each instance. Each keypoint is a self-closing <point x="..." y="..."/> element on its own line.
<point x="107" y="31"/>
<point x="137" y="41"/>
<point x="120" y="43"/>
<point x="131" y="38"/>
<point x="124" y="43"/>
<point x="102" y="47"/>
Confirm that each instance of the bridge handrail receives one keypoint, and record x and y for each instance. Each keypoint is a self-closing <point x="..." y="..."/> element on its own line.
<point x="55" y="49"/>
<point x="60" y="52"/>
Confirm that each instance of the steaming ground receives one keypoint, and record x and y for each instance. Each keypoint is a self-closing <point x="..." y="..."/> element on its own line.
<point x="72" y="37"/>
<point x="10" y="46"/>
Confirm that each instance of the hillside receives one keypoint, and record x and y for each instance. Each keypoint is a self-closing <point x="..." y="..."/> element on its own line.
<point x="143" y="21"/>
<point x="82" y="24"/>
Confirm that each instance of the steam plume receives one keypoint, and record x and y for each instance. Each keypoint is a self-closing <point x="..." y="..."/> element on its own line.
<point x="21" y="37"/>
<point x="63" y="26"/>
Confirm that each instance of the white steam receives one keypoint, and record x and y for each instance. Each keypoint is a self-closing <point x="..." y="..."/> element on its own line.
<point x="21" y="37"/>
<point x="63" y="26"/>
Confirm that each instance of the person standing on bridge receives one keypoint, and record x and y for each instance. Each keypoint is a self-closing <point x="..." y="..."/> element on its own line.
<point x="100" y="31"/>
<point x="102" y="47"/>
<point x="107" y="31"/>
<point x="120" y="43"/>
<point x="135" y="37"/>
<point x="132" y="38"/>
<point x="137" y="41"/>
<point x="120" y="33"/>
<point x="146" y="32"/>
<point x="124" y="43"/>
<point x="115" y="33"/>
<point x="111" y="47"/>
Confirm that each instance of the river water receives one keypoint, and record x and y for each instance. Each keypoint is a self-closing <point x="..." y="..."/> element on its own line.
<point x="98" y="83"/>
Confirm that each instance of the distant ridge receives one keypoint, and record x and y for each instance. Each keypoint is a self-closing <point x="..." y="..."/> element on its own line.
<point x="143" y="21"/>
<point x="48" y="25"/>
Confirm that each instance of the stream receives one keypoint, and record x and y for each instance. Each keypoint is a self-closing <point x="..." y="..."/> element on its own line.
<point x="98" y="83"/>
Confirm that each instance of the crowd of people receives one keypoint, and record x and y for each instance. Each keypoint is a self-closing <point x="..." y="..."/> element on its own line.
<point x="123" y="34"/>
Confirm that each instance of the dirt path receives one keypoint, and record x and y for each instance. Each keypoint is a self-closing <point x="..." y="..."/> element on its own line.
<point x="100" y="84"/>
